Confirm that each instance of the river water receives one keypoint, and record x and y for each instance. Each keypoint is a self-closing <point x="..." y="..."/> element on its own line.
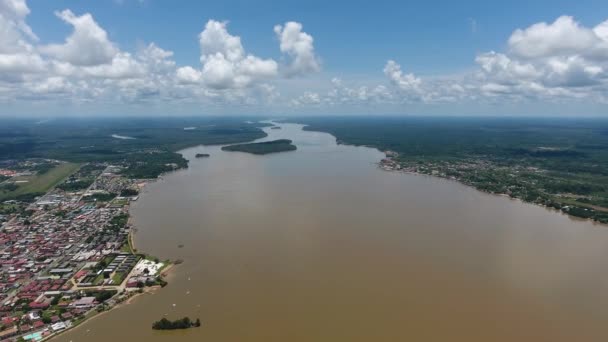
<point x="321" y="245"/>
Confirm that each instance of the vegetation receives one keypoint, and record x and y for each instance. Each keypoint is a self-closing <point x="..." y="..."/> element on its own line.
<point x="75" y="185"/>
<point x="129" y="192"/>
<point x="117" y="223"/>
<point x="83" y="178"/>
<point x="560" y="163"/>
<point x="100" y="197"/>
<point x="281" y="145"/>
<point x="152" y="152"/>
<point x="102" y="295"/>
<point x="38" y="183"/>
<point x="184" y="323"/>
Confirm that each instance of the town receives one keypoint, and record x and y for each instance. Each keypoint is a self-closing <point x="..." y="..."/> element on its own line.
<point x="66" y="255"/>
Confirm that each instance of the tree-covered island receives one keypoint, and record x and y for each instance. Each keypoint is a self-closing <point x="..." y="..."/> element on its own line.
<point x="266" y="147"/>
<point x="184" y="323"/>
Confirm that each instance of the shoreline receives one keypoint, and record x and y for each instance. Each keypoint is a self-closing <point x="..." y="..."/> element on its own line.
<point x="164" y="272"/>
<point x="147" y="291"/>
<point x="586" y="212"/>
<point x="170" y="272"/>
<point x="388" y="168"/>
<point x="565" y="208"/>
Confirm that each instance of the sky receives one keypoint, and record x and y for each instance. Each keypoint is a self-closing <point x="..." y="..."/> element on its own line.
<point x="281" y="58"/>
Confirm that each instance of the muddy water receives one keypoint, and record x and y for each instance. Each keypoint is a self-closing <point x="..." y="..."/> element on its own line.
<point x="321" y="245"/>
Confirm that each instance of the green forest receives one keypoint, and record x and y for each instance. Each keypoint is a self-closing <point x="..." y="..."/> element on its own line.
<point x="281" y="145"/>
<point x="149" y="150"/>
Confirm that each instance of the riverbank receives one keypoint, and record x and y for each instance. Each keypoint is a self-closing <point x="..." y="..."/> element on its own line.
<point x="164" y="273"/>
<point x="554" y="163"/>
<point x="124" y="295"/>
<point x="93" y="314"/>
<point x="269" y="240"/>
<point x="574" y="210"/>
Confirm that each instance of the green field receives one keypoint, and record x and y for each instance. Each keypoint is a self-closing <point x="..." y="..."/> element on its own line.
<point x="40" y="183"/>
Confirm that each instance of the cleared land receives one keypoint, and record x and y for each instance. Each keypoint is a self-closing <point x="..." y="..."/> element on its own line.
<point x="40" y="183"/>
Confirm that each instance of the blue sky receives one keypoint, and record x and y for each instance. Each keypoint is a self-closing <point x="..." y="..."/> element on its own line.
<point x="448" y="58"/>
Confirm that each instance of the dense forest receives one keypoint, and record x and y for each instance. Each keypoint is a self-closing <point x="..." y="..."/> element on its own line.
<point x="146" y="147"/>
<point x="281" y="145"/>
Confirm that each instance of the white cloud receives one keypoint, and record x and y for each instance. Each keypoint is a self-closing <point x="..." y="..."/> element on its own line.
<point x="88" y="45"/>
<point x="215" y="39"/>
<point x="406" y="82"/>
<point x="156" y="59"/>
<point x="12" y="18"/>
<point x="18" y="57"/>
<point x="299" y="48"/>
<point x="21" y="63"/>
<point x="188" y="75"/>
<point x="563" y="58"/>
<point x="563" y="37"/>
<point x="558" y="61"/>
<point x="87" y="66"/>
<point x="225" y="64"/>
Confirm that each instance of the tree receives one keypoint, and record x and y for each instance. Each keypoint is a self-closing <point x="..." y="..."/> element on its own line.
<point x="165" y="324"/>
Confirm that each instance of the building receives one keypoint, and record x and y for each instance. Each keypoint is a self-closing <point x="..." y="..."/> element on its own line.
<point x="84" y="303"/>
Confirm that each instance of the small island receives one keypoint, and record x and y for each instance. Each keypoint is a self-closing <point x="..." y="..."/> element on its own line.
<point x="281" y="145"/>
<point x="184" y="323"/>
<point x="202" y="155"/>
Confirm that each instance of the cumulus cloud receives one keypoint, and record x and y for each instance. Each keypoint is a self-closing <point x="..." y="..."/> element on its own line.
<point x="554" y="61"/>
<point x="562" y="58"/>
<point x="299" y="48"/>
<point x="225" y="63"/>
<point x="88" y="65"/>
<point x="188" y="75"/>
<point x="12" y="22"/>
<point x="18" y="57"/>
<point x="346" y="94"/>
<point x="88" y="44"/>
<point x="406" y="82"/>
<point x="563" y="37"/>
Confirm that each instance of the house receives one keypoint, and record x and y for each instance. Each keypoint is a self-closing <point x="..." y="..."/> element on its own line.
<point x="84" y="303"/>
<point x="6" y="333"/>
<point x="58" y="326"/>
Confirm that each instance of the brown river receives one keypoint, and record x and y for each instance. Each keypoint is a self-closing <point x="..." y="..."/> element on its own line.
<point x="321" y="245"/>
